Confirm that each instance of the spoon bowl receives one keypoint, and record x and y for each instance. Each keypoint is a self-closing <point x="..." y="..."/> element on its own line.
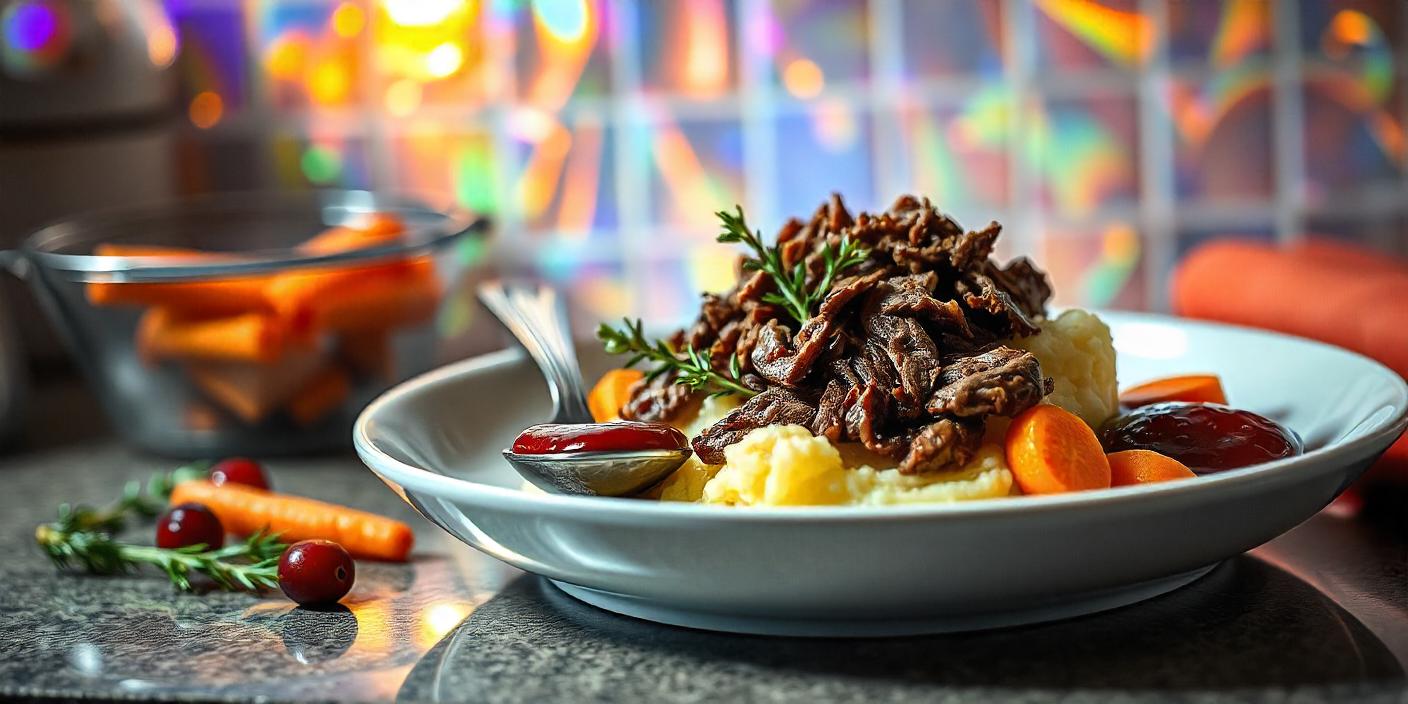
<point x="534" y="314"/>
<point x="597" y="473"/>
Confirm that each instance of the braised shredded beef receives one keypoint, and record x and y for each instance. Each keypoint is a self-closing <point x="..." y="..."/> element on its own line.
<point x="904" y="354"/>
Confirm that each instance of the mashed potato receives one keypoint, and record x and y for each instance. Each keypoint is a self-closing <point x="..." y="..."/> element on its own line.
<point x="785" y="465"/>
<point x="687" y="483"/>
<point x="1076" y="350"/>
<point x="788" y="466"/>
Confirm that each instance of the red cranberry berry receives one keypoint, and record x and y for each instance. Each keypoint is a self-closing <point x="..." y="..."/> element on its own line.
<point x="239" y="470"/>
<point x="316" y="572"/>
<point x="189" y="524"/>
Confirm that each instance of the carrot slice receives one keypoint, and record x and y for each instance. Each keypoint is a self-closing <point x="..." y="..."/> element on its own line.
<point x="380" y="228"/>
<point x="244" y="510"/>
<point x="1051" y="451"/>
<point x="1128" y="467"/>
<point x="1194" y="388"/>
<point x="248" y="337"/>
<point x="611" y="393"/>
<point x="320" y="397"/>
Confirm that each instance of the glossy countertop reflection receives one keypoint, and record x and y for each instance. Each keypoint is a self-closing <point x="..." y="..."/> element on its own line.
<point x="1320" y="614"/>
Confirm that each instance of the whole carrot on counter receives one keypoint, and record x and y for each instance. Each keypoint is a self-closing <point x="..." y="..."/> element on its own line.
<point x="246" y="510"/>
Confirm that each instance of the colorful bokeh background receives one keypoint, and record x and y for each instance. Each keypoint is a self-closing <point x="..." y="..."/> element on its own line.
<point x="1108" y="136"/>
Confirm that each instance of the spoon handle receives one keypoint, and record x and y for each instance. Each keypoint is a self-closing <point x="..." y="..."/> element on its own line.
<point x="537" y="317"/>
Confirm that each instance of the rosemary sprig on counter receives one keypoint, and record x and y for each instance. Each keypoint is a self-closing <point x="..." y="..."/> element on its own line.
<point x="252" y="564"/>
<point x="793" y="294"/>
<point x="136" y="500"/>
<point x="691" y="365"/>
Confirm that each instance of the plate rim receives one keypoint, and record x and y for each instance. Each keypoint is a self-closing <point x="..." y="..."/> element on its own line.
<point x="507" y="499"/>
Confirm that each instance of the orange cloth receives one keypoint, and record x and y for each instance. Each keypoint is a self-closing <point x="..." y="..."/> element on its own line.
<point x="1319" y="289"/>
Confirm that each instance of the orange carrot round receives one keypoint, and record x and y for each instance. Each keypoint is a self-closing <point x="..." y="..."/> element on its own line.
<point x="1129" y="467"/>
<point x="1051" y="451"/>
<point x="244" y="510"/>
<point x="611" y="392"/>
<point x="1193" y="388"/>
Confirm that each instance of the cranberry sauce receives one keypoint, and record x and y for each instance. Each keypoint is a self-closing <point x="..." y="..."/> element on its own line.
<point x="1206" y="437"/>
<point x="599" y="437"/>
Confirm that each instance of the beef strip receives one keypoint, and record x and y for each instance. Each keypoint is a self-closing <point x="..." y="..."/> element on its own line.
<point x="1000" y="381"/>
<point x="994" y="307"/>
<point x="659" y="400"/>
<point x="910" y="349"/>
<point x="776" y="406"/>
<point x="788" y="363"/>
<point x="948" y="443"/>
<point x="912" y="297"/>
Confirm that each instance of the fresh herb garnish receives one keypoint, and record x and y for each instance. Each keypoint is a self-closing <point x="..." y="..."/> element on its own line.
<point x="793" y="294"/>
<point x="148" y="502"/>
<point x="691" y="365"/>
<point x="83" y="536"/>
<point x="252" y="564"/>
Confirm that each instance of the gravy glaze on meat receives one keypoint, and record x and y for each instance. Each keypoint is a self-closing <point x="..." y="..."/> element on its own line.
<point x="904" y="355"/>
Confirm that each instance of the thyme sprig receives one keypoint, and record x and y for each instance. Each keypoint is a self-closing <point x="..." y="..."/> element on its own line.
<point x="147" y="502"/>
<point x="800" y="300"/>
<point x="792" y="294"/>
<point x="252" y="564"/>
<point x="83" y="536"/>
<point x="691" y="365"/>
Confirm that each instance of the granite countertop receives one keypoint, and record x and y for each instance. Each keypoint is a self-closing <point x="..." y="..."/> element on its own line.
<point x="1320" y="614"/>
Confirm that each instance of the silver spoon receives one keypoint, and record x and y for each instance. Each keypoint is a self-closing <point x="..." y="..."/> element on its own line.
<point x="536" y="317"/>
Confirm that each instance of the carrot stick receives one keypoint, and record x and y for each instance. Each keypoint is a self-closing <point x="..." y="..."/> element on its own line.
<point x="322" y="395"/>
<point x="217" y="297"/>
<point x="1051" y="451"/>
<point x="1129" y="467"/>
<point x="252" y="391"/>
<point x="379" y="303"/>
<point x="312" y="293"/>
<point x="380" y="228"/>
<point x="611" y="393"/>
<point x="1192" y="388"/>
<point x="244" y="510"/>
<point x="374" y="298"/>
<point x="249" y="337"/>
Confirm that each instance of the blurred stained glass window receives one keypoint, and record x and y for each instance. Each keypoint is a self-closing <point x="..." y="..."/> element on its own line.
<point x="1108" y="135"/>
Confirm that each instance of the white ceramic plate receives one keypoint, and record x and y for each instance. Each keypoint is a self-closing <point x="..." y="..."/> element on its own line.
<point x="891" y="570"/>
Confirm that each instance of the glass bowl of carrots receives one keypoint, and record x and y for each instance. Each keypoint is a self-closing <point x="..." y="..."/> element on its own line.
<point x="248" y="323"/>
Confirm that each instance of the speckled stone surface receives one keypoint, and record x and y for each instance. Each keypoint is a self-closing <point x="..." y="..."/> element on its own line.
<point x="1320" y="614"/>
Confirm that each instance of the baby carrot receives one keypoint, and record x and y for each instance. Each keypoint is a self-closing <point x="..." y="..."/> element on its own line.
<point x="224" y="296"/>
<point x="379" y="228"/>
<point x="250" y="337"/>
<point x="1194" y="388"/>
<point x="1051" y="451"/>
<point x="611" y="392"/>
<point x="244" y="510"/>
<point x="1129" y="467"/>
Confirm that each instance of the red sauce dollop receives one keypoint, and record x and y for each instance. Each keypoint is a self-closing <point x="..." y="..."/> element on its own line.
<point x="551" y="438"/>
<point x="1206" y="437"/>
